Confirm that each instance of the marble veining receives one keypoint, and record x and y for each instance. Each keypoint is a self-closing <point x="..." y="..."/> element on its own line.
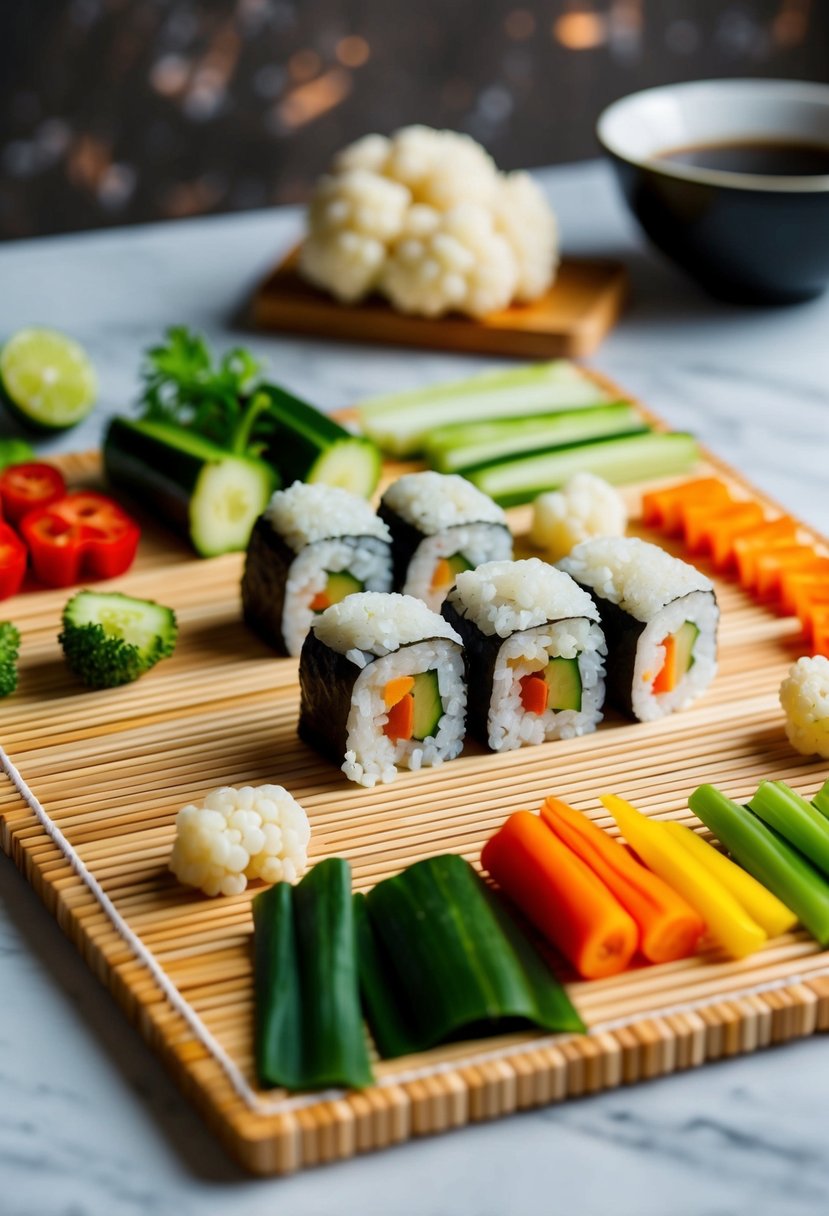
<point x="89" y="1122"/>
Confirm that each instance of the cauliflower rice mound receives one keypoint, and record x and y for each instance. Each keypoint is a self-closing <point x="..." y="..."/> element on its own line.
<point x="641" y="578"/>
<point x="506" y="597"/>
<point x="804" y="695"/>
<point x="240" y="834"/>
<point x="434" y="501"/>
<point x="585" y="507"/>
<point x="426" y="218"/>
<point x="303" y="514"/>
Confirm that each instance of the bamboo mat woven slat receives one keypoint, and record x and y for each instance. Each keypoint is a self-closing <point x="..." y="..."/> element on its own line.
<point x="112" y="768"/>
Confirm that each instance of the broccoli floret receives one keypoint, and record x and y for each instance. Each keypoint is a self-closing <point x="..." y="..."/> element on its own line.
<point x="9" y="650"/>
<point x="110" y="639"/>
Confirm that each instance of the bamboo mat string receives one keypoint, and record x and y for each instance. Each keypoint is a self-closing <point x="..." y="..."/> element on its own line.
<point x="234" y="1074"/>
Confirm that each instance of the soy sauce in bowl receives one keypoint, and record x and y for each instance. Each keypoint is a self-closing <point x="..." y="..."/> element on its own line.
<point x="765" y="158"/>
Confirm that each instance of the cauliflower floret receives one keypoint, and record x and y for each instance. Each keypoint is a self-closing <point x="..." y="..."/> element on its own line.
<point x="442" y="168"/>
<point x="585" y="507"/>
<point x="426" y="218"/>
<point x="352" y="218"/>
<point x="527" y="221"/>
<point x="462" y="264"/>
<point x="804" y="695"/>
<point x="240" y="834"/>
<point x="371" y="152"/>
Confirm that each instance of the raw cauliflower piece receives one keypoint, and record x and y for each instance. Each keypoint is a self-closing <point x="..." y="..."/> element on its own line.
<point x="461" y="264"/>
<point x="353" y="217"/>
<point x="586" y="506"/>
<point x="804" y="695"/>
<point x="380" y="221"/>
<point x="527" y="221"/>
<point x="237" y="834"/>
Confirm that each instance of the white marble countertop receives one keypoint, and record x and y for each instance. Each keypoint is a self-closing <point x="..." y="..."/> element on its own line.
<point x="89" y="1122"/>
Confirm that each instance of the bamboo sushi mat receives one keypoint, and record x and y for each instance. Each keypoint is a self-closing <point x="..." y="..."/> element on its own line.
<point x="110" y="770"/>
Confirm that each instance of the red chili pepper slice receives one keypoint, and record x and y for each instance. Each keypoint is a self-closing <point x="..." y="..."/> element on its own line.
<point x="12" y="561"/>
<point x="83" y="535"/>
<point x="25" y="487"/>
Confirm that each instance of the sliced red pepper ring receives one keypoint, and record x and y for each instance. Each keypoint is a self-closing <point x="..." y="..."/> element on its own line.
<point x="82" y="535"/>
<point x="25" y="487"/>
<point x="13" y="558"/>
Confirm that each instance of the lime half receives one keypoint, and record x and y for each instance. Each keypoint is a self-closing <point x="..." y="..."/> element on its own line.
<point x="47" y="379"/>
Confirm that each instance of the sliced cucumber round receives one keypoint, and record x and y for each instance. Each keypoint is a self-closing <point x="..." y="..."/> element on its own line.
<point x="352" y="464"/>
<point x="228" y="497"/>
<point x="47" y="379"/>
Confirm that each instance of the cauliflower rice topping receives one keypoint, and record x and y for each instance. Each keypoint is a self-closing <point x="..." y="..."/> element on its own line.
<point x="804" y="695"/>
<point x="303" y="514"/>
<point x="434" y="501"/>
<point x="426" y="218"/>
<point x="505" y="597"/>
<point x="641" y="578"/>
<point x="371" y="622"/>
<point x="237" y="834"/>
<point x="586" y="506"/>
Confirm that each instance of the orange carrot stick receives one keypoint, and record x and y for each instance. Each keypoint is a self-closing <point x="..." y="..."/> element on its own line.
<point x="664" y="508"/>
<point x="714" y="531"/>
<point x="401" y="719"/>
<point x="772" y="563"/>
<point x="669" y="928"/>
<point x="534" y="693"/>
<point x="441" y="575"/>
<point x="666" y="678"/>
<point x="770" y="535"/>
<point x="795" y="583"/>
<point x="396" y="690"/>
<point x="561" y="896"/>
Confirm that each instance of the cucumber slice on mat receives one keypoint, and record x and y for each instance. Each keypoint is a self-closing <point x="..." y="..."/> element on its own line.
<point x="624" y="459"/>
<point x="47" y="379"/>
<point x="401" y="422"/>
<point x="310" y="446"/>
<point x="208" y="495"/>
<point x="452" y="449"/>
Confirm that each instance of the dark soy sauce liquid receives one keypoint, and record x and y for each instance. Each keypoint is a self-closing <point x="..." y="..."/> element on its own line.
<point x="770" y="158"/>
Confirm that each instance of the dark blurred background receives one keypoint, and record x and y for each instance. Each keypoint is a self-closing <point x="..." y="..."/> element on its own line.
<point x="120" y="111"/>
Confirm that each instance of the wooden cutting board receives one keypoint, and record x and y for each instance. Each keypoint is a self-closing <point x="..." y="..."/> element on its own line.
<point x="569" y="321"/>
<point x="112" y="768"/>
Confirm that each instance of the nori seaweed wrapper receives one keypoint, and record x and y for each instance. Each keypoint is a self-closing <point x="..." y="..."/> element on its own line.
<point x="326" y="686"/>
<point x="267" y="565"/>
<point x="622" y="633"/>
<point x="405" y="538"/>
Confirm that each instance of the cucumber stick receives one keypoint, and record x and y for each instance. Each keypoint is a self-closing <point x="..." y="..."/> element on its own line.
<point x="453" y="449"/>
<point x="625" y="459"/>
<point x="795" y="819"/>
<point x="400" y="423"/>
<point x="209" y="495"/>
<point x="308" y="1023"/>
<point x="310" y="446"/>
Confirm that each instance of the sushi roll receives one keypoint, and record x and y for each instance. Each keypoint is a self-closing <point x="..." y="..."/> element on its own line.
<point x="382" y="687"/>
<point x="659" y="616"/>
<point x="440" y="525"/>
<point x="534" y="653"/>
<point x="312" y="546"/>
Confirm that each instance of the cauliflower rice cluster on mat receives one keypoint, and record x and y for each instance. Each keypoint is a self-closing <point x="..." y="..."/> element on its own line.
<point x="804" y="695"/>
<point x="425" y="218"/>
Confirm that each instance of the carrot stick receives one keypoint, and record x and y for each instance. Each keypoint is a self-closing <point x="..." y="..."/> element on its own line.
<point x="772" y="563"/>
<point x="793" y="583"/>
<point x="396" y="690"/>
<point x="666" y="679"/>
<point x="664" y="508"/>
<point x="401" y="719"/>
<point x="771" y="535"/>
<point x="561" y="896"/>
<point x="320" y="602"/>
<point x="669" y="928"/>
<point x="441" y="575"/>
<point x="534" y="693"/>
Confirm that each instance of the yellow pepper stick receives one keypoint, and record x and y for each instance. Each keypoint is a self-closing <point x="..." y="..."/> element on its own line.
<point x="726" y="919"/>
<point x="770" y="912"/>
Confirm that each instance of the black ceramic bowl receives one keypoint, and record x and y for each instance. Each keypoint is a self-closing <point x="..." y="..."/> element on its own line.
<point x="744" y="236"/>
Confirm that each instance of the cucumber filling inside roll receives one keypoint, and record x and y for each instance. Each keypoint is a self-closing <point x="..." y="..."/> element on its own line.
<point x="338" y="584"/>
<point x="414" y="706"/>
<point x="557" y="686"/>
<point x="679" y="657"/>
<point x="446" y="570"/>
